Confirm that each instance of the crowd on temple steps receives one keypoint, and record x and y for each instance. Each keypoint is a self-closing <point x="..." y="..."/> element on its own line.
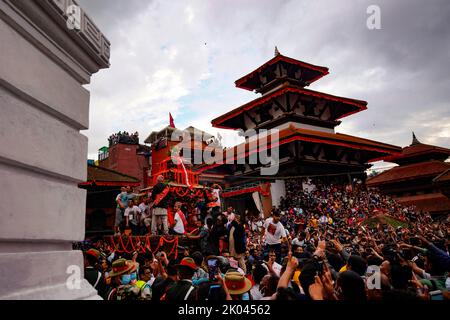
<point x="333" y="242"/>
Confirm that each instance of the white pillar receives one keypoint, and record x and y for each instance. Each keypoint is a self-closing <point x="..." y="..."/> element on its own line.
<point x="278" y="190"/>
<point x="43" y="156"/>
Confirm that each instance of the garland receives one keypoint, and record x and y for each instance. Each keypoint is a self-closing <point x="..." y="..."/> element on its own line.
<point x="183" y="192"/>
<point x="121" y="247"/>
<point x="161" y="196"/>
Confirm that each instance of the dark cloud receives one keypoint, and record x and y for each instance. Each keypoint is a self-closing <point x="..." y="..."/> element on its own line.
<point x="401" y="70"/>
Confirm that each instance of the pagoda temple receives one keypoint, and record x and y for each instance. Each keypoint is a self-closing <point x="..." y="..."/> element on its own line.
<point x="306" y="119"/>
<point x="422" y="177"/>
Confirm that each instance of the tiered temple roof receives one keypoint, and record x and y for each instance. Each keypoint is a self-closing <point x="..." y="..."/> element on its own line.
<point x="409" y="172"/>
<point x="340" y="107"/>
<point x="292" y="133"/>
<point x="421" y="179"/>
<point x="278" y="69"/>
<point x="305" y="120"/>
<point x="418" y="152"/>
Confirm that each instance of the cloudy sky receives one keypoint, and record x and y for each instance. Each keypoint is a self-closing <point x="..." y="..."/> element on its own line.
<point x="184" y="56"/>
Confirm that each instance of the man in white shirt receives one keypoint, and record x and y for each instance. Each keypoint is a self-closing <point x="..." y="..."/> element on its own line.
<point x="274" y="233"/>
<point x="178" y="219"/>
<point x="257" y="225"/>
<point x="271" y="265"/>
<point x="230" y="215"/>
<point x="216" y="203"/>
<point x="132" y="218"/>
<point x="300" y="241"/>
<point x="258" y="274"/>
<point x="146" y="218"/>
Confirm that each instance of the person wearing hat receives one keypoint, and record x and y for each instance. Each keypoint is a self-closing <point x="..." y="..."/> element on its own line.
<point x="123" y="281"/>
<point x="183" y="288"/>
<point x="237" y="285"/>
<point x="92" y="274"/>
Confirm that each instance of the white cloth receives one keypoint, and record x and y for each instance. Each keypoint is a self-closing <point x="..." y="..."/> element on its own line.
<point x="276" y="267"/>
<point x="257" y="226"/>
<point x="144" y="210"/>
<point x="272" y="297"/>
<point x="231" y="218"/>
<point x="298" y="242"/>
<point x="274" y="232"/>
<point x="216" y="193"/>
<point x="257" y="199"/>
<point x="323" y="220"/>
<point x="132" y="213"/>
<point x="255" y="293"/>
<point x="426" y="275"/>
<point x="150" y="282"/>
<point x="179" y="226"/>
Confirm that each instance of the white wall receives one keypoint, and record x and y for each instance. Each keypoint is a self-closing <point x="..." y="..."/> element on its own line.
<point x="43" y="155"/>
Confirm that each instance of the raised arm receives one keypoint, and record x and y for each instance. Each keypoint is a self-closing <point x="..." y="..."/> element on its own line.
<point x="288" y="273"/>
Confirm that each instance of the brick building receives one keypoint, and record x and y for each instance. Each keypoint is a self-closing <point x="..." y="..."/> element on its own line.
<point x="127" y="156"/>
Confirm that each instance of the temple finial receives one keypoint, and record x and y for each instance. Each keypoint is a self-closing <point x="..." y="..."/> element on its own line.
<point x="277" y="53"/>
<point x="415" y="140"/>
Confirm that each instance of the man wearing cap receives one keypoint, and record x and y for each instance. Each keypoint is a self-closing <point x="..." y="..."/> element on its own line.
<point x="123" y="281"/>
<point x="237" y="285"/>
<point x="93" y="275"/>
<point x="160" y="205"/>
<point x="183" y="289"/>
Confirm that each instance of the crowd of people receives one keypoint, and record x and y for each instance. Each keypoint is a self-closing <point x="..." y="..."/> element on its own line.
<point x="162" y="213"/>
<point x="123" y="137"/>
<point x="328" y="242"/>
